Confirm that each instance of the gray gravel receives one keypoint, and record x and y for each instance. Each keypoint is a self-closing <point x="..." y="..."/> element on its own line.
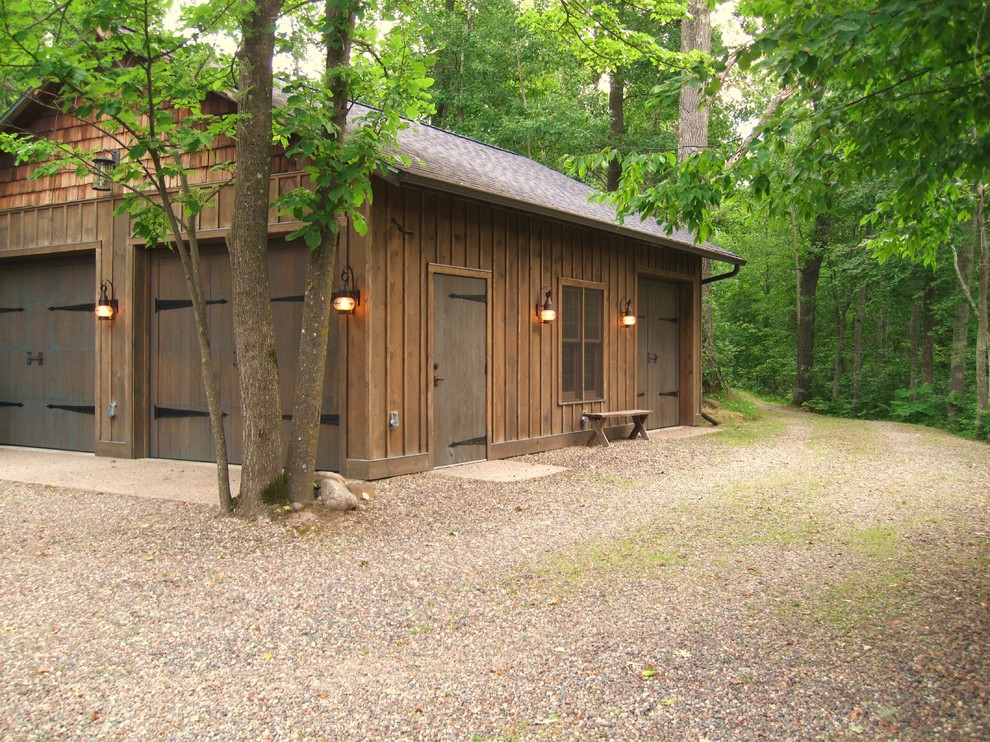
<point x="794" y="578"/>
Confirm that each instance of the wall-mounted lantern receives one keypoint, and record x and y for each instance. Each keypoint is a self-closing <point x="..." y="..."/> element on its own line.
<point x="628" y="318"/>
<point x="345" y="299"/>
<point x="546" y="312"/>
<point x="106" y="307"/>
<point x="103" y="166"/>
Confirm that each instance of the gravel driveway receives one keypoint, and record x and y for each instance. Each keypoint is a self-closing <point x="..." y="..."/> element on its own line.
<point x="796" y="577"/>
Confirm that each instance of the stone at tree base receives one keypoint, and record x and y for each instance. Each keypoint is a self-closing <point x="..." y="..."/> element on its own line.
<point x="334" y="494"/>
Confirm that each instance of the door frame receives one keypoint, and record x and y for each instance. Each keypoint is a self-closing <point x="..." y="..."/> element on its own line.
<point x="434" y="269"/>
<point x="688" y="339"/>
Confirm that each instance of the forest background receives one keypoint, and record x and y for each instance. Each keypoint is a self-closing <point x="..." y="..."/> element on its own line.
<point x="860" y="293"/>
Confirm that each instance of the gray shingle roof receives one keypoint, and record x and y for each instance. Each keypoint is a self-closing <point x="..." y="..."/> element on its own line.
<point x="455" y="163"/>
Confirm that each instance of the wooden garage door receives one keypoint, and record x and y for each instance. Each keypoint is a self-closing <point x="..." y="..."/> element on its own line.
<point x="47" y="357"/>
<point x="180" y="416"/>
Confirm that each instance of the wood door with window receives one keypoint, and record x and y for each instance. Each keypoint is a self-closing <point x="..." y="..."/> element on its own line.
<point x="658" y="351"/>
<point x="459" y="369"/>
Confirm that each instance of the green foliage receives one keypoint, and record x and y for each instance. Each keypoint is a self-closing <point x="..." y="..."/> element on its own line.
<point x="393" y="79"/>
<point x="140" y="83"/>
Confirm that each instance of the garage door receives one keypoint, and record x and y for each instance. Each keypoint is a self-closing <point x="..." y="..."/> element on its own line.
<point x="47" y="354"/>
<point x="180" y="415"/>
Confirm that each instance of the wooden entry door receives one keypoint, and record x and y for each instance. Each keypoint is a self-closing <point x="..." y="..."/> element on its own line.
<point x="460" y="369"/>
<point x="658" y="350"/>
<point x="47" y="354"/>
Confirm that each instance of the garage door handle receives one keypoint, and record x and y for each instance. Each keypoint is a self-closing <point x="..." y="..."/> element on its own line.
<point x="40" y="358"/>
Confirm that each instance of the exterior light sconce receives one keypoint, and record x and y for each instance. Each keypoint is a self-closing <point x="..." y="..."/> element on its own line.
<point x="345" y="299"/>
<point x="103" y="166"/>
<point x="546" y="312"/>
<point x="628" y="318"/>
<point x="105" y="306"/>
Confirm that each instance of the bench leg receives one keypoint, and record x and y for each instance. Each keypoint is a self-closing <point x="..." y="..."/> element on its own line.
<point x="598" y="435"/>
<point x="639" y="427"/>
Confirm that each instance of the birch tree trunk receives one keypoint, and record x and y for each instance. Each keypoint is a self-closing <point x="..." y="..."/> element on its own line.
<point x="692" y="137"/>
<point x="616" y="99"/>
<point x="960" y="333"/>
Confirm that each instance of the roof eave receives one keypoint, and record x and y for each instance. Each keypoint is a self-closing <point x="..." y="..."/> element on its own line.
<point x="406" y="177"/>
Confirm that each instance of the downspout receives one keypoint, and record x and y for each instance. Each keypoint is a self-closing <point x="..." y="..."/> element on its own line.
<point x="712" y="279"/>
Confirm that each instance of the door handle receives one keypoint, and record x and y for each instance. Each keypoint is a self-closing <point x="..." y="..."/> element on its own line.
<point x="652" y="357"/>
<point x="437" y="380"/>
<point x="40" y="358"/>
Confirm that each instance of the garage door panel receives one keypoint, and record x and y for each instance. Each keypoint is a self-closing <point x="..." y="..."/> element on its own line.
<point x="180" y="419"/>
<point x="47" y="363"/>
<point x="175" y="353"/>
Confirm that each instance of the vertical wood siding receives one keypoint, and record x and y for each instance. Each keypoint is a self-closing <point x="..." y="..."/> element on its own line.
<point x="412" y="228"/>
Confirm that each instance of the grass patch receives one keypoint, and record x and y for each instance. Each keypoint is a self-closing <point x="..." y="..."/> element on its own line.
<point x="876" y="543"/>
<point x="862" y="602"/>
<point x="743" y="404"/>
<point x="644" y="556"/>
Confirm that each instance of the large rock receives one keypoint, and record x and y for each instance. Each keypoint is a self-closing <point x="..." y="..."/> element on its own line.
<point x="334" y="493"/>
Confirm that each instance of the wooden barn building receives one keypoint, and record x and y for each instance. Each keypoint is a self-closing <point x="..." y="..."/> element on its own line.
<point x="444" y="360"/>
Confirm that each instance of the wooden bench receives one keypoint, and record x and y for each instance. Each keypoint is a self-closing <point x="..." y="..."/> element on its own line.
<point x="597" y="420"/>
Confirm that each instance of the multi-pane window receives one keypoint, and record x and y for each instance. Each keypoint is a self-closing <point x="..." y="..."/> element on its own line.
<point x="582" y="350"/>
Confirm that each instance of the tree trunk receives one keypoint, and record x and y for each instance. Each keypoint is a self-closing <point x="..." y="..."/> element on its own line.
<point x="300" y="466"/>
<point x="914" y="341"/>
<point x="982" y="328"/>
<point x="692" y="121"/>
<point x="300" y="462"/>
<point x="254" y="334"/>
<point x="840" y="337"/>
<point x="616" y="98"/>
<point x="807" y="308"/>
<point x="692" y="137"/>
<point x="928" y="334"/>
<point x="858" y="347"/>
<point x="960" y="334"/>
<point x="189" y="258"/>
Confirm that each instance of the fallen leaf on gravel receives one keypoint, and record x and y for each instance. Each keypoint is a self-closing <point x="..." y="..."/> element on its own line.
<point x="649" y="673"/>
<point x="559" y="649"/>
<point x="267" y="656"/>
<point x="856" y="729"/>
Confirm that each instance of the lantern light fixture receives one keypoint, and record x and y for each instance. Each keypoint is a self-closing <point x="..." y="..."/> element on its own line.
<point x="546" y="312"/>
<point x="103" y="166"/>
<point x="628" y="317"/>
<point x="345" y="299"/>
<point x="105" y="306"/>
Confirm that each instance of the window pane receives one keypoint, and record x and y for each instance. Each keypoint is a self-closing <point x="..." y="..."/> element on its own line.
<point x="570" y="362"/>
<point x="570" y="313"/>
<point x="593" y="301"/>
<point x="593" y="386"/>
